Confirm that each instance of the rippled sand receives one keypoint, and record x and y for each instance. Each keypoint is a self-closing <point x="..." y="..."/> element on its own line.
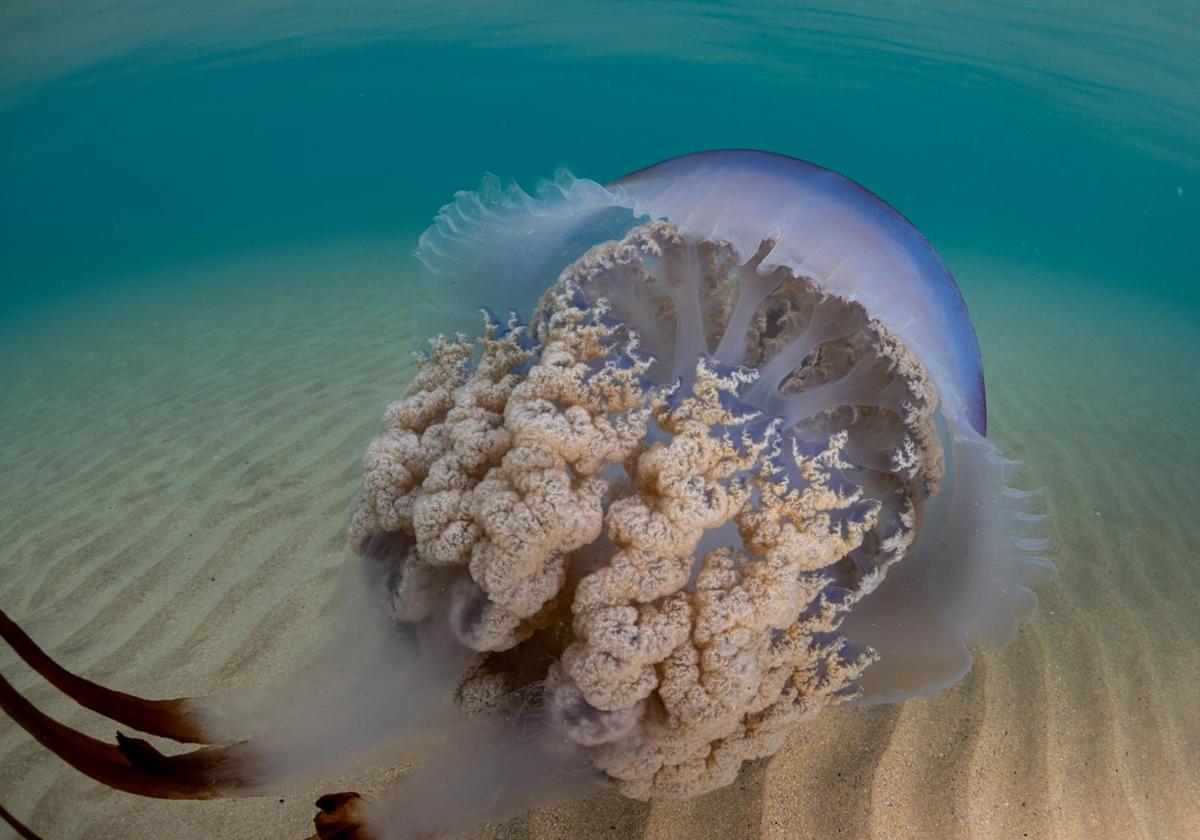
<point x="177" y="468"/>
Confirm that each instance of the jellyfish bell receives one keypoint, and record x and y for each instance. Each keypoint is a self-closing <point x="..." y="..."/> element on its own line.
<point x="712" y="459"/>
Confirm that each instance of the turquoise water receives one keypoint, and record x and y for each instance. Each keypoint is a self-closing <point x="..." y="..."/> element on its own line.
<point x="207" y="219"/>
<point x="135" y="134"/>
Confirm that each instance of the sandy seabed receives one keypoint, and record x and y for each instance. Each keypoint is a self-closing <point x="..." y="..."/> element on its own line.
<point x="179" y="453"/>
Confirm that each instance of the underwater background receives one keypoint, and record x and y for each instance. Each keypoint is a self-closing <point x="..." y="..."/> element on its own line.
<point x="207" y="217"/>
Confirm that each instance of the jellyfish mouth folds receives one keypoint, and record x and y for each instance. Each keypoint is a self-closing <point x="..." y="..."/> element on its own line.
<point x="651" y="507"/>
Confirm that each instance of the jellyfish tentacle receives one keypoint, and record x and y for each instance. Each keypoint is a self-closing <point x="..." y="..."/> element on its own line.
<point x="339" y="817"/>
<point x="753" y="286"/>
<point x="682" y="281"/>
<point x="133" y="765"/>
<point x="827" y="323"/>
<point x="170" y="718"/>
<point x="16" y="825"/>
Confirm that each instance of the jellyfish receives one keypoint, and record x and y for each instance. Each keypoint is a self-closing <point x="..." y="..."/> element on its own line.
<point x="686" y="459"/>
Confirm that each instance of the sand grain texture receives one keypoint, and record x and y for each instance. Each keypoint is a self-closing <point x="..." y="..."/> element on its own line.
<point x="179" y="456"/>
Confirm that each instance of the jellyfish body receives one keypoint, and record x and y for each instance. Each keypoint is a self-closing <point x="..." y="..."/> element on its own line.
<point x="968" y="578"/>
<point x="723" y="465"/>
